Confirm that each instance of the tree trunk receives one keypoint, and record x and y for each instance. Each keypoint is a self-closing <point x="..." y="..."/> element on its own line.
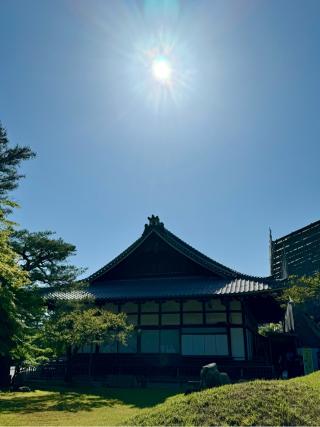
<point x="69" y="366"/>
<point x="5" y="379"/>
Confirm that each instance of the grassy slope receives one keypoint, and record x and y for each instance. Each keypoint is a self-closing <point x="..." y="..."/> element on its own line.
<point x="77" y="406"/>
<point x="292" y="402"/>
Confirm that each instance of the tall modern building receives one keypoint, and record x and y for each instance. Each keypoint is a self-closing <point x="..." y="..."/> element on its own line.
<point x="297" y="253"/>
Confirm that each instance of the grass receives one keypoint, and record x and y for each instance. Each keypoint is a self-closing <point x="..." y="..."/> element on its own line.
<point x="291" y="402"/>
<point x="60" y="406"/>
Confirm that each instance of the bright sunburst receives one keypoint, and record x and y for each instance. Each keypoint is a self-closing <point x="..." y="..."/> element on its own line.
<point x="162" y="69"/>
<point x="163" y="73"/>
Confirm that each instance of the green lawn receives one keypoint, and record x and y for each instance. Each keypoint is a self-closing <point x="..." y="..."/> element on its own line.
<point x="285" y="403"/>
<point x="78" y="406"/>
<point x="291" y="402"/>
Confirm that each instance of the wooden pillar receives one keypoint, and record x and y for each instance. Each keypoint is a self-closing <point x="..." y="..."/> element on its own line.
<point x="244" y="324"/>
<point x="181" y="325"/>
<point x="139" y="329"/>
<point x="228" y="329"/>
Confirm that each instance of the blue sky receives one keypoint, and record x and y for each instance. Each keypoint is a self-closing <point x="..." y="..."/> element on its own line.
<point x="233" y="149"/>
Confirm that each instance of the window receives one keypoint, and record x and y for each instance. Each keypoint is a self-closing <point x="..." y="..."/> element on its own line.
<point x="150" y="306"/>
<point x="204" y="331"/>
<point x="87" y="348"/>
<point x="131" y="346"/>
<point x="170" y="306"/>
<point x="170" y="319"/>
<point x="215" y="305"/>
<point x="192" y="305"/>
<point x="169" y="341"/>
<point x="221" y="345"/>
<point x="204" y="345"/>
<point x="149" y="319"/>
<point x="236" y="318"/>
<point x="216" y="318"/>
<point x="150" y="341"/>
<point x="132" y="318"/>
<point x="110" y="306"/>
<point x="108" y="348"/>
<point x="192" y="318"/>
<point x="192" y="312"/>
<point x="160" y="341"/>
<point x="237" y="343"/>
<point x="235" y="304"/>
<point x="129" y="307"/>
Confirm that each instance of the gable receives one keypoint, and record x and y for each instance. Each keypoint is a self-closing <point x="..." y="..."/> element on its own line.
<point x="154" y="257"/>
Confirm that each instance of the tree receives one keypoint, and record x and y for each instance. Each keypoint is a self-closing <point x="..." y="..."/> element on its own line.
<point x="14" y="281"/>
<point x="303" y="289"/>
<point x="10" y="160"/>
<point x="270" y="329"/>
<point x="67" y="332"/>
<point x="305" y="292"/>
<point x="45" y="258"/>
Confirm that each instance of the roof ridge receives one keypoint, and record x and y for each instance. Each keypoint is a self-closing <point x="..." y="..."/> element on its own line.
<point x="115" y="260"/>
<point x="237" y="274"/>
<point x="155" y="226"/>
<point x="200" y="254"/>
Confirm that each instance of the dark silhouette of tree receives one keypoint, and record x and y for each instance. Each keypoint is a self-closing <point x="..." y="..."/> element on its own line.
<point x="10" y="160"/>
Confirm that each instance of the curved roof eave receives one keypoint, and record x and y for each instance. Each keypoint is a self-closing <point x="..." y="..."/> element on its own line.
<point x="180" y="246"/>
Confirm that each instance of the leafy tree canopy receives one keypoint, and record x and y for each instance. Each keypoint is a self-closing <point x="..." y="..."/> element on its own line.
<point x="45" y="258"/>
<point x="10" y="160"/>
<point x="70" y="327"/>
<point x="12" y="281"/>
<point x="305" y="292"/>
<point x="270" y="329"/>
<point x="303" y="289"/>
<point x="79" y="327"/>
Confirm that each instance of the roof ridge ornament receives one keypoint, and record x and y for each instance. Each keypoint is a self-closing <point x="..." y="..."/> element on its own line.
<point x="154" y="223"/>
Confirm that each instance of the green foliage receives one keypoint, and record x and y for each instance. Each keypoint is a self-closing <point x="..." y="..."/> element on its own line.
<point x="27" y="260"/>
<point x="277" y="402"/>
<point x="270" y="329"/>
<point x="75" y="328"/>
<point x="15" y="286"/>
<point x="304" y="292"/>
<point x="303" y="289"/>
<point x="45" y="258"/>
<point x="10" y="159"/>
<point x="13" y="281"/>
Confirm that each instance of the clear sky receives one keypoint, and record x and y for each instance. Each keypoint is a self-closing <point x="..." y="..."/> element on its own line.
<point x="229" y="149"/>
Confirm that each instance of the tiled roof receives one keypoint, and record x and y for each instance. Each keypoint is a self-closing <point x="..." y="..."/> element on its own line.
<point x="168" y="288"/>
<point x="155" y="226"/>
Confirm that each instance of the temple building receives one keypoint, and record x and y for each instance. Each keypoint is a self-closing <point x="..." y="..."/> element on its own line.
<point x="188" y="310"/>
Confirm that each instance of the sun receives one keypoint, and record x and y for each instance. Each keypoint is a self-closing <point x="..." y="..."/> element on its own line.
<point x="161" y="69"/>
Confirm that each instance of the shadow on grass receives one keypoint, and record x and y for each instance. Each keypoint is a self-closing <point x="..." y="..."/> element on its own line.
<point x="81" y="399"/>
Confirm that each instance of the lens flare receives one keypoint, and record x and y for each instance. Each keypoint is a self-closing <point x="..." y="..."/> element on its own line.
<point x="161" y="69"/>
